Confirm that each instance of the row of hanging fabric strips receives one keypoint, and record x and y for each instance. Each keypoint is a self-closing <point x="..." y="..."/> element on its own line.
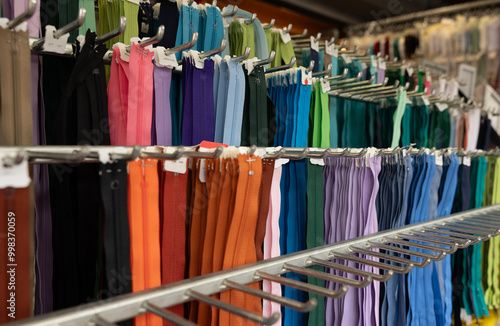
<point x="293" y="107"/>
<point x="447" y="41"/>
<point x="154" y="105"/>
<point x="238" y="119"/>
<point x="150" y="222"/>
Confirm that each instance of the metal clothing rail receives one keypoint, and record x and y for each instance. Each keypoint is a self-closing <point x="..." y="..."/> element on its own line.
<point x="10" y="155"/>
<point x="458" y="8"/>
<point x="433" y="239"/>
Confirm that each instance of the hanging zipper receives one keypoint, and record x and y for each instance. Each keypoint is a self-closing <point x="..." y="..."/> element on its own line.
<point x="144" y="223"/>
<point x="15" y="83"/>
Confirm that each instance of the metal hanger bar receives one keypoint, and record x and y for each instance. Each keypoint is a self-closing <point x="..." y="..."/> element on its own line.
<point x="360" y="154"/>
<point x="493" y="214"/>
<point x="167" y="315"/>
<point x="426" y="240"/>
<point x="394" y="92"/>
<point x="384" y="94"/>
<point x="453" y="248"/>
<point x="243" y="56"/>
<point x="165" y="156"/>
<point x="80" y="154"/>
<point x="152" y="40"/>
<point x="351" y="270"/>
<point x="344" y="153"/>
<point x="251" y="20"/>
<point x="286" y="30"/>
<point x="30" y="10"/>
<point x="474" y="239"/>
<point x="327" y="152"/>
<point x="490" y="217"/>
<point x="304" y="34"/>
<point x="344" y="75"/>
<point x="388" y="257"/>
<point x="115" y="156"/>
<point x="414" y="92"/>
<point x="387" y="94"/>
<point x="328" y="277"/>
<point x="378" y="264"/>
<point x="365" y="89"/>
<point x="299" y="156"/>
<point x="306" y="42"/>
<point x="277" y="155"/>
<point x="78" y="22"/>
<point x="292" y="62"/>
<point x="289" y="303"/>
<point x="185" y="46"/>
<point x="372" y="92"/>
<point x="215" y="154"/>
<point x="487" y="223"/>
<point x="230" y="14"/>
<point x="221" y="48"/>
<point x="417" y="94"/>
<point x="319" y="154"/>
<point x="316" y="38"/>
<point x="311" y="66"/>
<point x="98" y="321"/>
<point x="270" y="25"/>
<point x="406" y="251"/>
<point x="324" y="72"/>
<point x="464" y="230"/>
<point x="473" y="227"/>
<point x="60" y="153"/>
<point x="74" y="156"/>
<point x="18" y="158"/>
<point x="462" y="243"/>
<point x="68" y="49"/>
<point x="490" y="220"/>
<point x="356" y="84"/>
<point x="304" y="286"/>
<point x="233" y="309"/>
<point x="127" y="306"/>
<point x="117" y="32"/>
<point x="347" y="81"/>
<point x="272" y="54"/>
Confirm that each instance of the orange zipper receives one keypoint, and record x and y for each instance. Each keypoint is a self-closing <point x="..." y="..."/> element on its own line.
<point x="145" y="225"/>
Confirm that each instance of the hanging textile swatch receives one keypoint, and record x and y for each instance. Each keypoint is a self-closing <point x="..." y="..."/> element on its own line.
<point x="229" y="100"/>
<point x="198" y="119"/>
<point x="144" y="221"/>
<point x="290" y="92"/>
<point x="83" y="112"/>
<point x="282" y="46"/>
<point x="16" y="126"/>
<point x="259" y="115"/>
<point x="352" y="180"/>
